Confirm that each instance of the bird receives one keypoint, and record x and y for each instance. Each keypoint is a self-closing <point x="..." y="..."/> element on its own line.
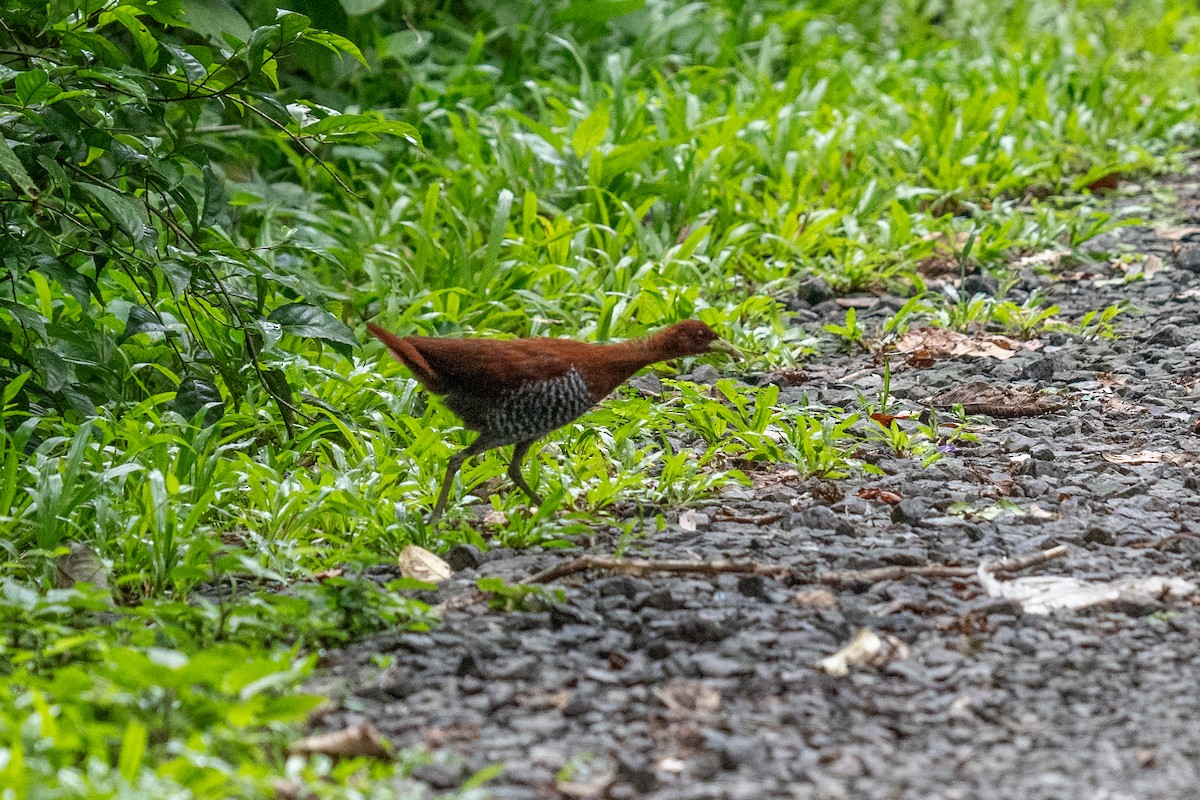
<point x="515" y="391"/>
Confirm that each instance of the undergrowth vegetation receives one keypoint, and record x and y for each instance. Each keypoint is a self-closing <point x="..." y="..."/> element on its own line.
<point x="201" y="207"/>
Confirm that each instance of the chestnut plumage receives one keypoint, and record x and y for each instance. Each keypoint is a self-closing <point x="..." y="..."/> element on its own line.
<point x="518" y="390"/>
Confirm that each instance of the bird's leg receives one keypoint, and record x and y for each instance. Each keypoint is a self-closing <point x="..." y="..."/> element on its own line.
<point x="452" y="467"/>
<point x="514" y="470"/>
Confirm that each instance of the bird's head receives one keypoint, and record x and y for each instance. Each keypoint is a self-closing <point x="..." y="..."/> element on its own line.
<point x="693" y="338"/>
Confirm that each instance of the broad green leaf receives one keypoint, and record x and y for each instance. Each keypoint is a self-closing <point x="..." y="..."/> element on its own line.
<point x="133" y="750"/>
<point x="129" y="18"/>
<point x="304" y="319"/>
<point x="338" y="44"/>
<point x="34" y="87"/>
<point x="214" y="19"/>
<point x="342" y="124"/>
<point x="111" y="77"/>
<point x="597" y="12"/>
<point x="591" y="131"/>
<point x="357" y="8"/>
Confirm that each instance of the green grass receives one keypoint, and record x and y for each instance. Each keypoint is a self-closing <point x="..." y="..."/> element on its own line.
<point x="597" y="179"/>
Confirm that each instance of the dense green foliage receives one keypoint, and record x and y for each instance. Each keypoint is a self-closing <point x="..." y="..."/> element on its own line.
<point x="202" y="204"/>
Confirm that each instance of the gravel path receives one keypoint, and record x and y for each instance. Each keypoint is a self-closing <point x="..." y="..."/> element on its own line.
<point x="705" y="687"/>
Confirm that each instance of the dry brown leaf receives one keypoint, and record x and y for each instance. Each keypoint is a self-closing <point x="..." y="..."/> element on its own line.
<point x="1049" y="258"/>
<point x="867" y="647"/>
<point x="875" y="493"/>
<point x="353" y="742"/>
<point x="495" y="518"/>
<point x="857" y="301"/>
<point x="1038" y="513"/>
<point x="1109" y="379"/>
<point x="417" y="562"/>
<point x="1152" y="264"/>
<point x="816" y="598"/>
<point x="929" y="343"/>
<point x="1146" y="457"/>
<point x="1117" y="405"/>
<point x="1177" y="234"/>
<point x="578" y="790"/>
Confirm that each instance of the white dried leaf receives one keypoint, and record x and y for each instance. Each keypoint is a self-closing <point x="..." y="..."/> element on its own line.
<point x="417" y="562"/>
<point x="1043" y="594"/>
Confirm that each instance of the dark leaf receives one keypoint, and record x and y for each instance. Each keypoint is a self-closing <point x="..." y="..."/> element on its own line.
<point x="303" y="319"/>
<point x="118" y="208"/>
<point x="192" y="67"/>
<point x="56" y="371"/>
<point x="141" y="320"/>
<point x="10" y="164"/>
<point x="179" y="275"/>
<point x="28" y="317"/>
<point x="194" y="396"/>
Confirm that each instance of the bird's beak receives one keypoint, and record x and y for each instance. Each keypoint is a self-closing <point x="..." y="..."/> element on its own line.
<point x="722" y="346"/>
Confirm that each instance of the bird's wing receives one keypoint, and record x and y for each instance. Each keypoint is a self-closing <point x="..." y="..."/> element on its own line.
<point x="487" y="367"/>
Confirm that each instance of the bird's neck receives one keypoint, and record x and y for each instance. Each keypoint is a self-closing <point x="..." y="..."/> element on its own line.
<point x="616" y="363"/>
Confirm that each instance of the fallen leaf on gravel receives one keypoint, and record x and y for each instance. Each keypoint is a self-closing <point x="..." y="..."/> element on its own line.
<point x="886" y="420"/>
<point x="1043" y="594"/>
<point x="494" y="517"/>
<point x="788" y="377"/>
<point x="931" y="344"/>
<point x="874" y="493"/>
<point x="1146" y="457"/>
<point x="1116" y="405"/>
<point x="1049" y="258"/>
<point x="685" y="696"/>
<point x="857" y="301"/>
<point x="419" y="563"/>
<point x="687" y="521"/>
<point x="586" y="791"/>
<point x="354" y="742"/>
<point x="1037" y="512"/>
<point x="1177" y="234"/>
<point x="817" y="598"/>
<point x="866" y="648"/>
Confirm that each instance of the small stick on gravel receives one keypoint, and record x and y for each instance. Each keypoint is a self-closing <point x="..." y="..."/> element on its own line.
<point x="633" y="566"/>
<point x="640" y="566"/>
<point x="939" y="570"/>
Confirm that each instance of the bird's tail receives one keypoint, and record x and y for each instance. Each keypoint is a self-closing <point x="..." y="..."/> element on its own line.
<point x="409" y="356"/>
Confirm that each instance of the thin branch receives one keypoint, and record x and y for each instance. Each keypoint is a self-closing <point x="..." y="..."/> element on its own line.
<point x="623" y="566"/>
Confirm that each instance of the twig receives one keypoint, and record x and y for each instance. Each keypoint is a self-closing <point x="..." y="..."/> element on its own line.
<point x="622" y="566"/>
<point x="938" y="570"/>
<point x="639" y="566"/>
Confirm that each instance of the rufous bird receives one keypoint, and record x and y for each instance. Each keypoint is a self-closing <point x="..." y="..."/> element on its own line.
<point x="518" y="390"/>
